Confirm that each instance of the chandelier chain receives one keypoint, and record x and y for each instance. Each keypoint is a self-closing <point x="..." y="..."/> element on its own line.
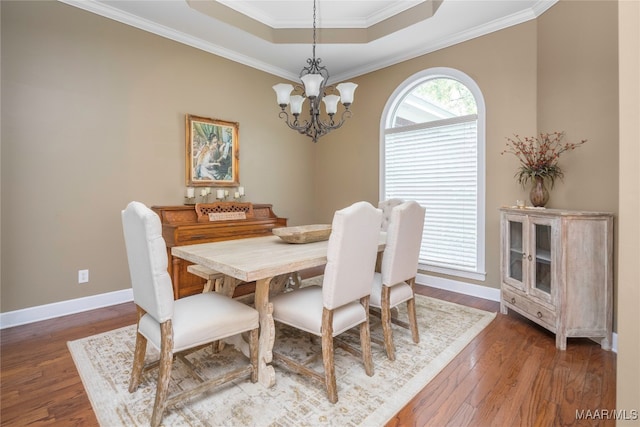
<point x="314" y="29"/>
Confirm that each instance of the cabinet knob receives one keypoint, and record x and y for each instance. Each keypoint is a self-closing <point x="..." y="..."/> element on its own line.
<point x="529" y="257"/>
<point x="524" y="256"/>
<point x="539" y="315"/>
<point x="513" y="300"/>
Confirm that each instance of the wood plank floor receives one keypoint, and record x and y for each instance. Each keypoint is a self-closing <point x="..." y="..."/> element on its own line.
<point x="510" y="375"/>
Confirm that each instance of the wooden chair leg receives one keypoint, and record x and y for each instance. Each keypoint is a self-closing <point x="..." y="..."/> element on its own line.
<point x="253" y="351"/>
<point x="164" y="374"/>
<point x="138" y="355"/>
<point x="138" y="362"/>
<point x="413" y="321"/>
<point x="386" y="323"/>
<point x="327" y="355"/>
<point x="411" y="312"/>
<point x="365" y="339"/>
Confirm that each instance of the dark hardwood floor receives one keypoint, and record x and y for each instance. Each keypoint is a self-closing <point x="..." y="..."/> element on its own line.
<point x="510" y="375"/>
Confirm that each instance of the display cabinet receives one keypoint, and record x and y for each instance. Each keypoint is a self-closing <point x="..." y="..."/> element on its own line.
<point x="557" y="270"/>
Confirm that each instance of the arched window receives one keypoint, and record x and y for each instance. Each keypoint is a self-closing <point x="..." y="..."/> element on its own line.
<point x="432" y="151"/>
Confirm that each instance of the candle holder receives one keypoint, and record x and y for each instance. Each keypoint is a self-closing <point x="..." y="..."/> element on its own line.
<point x="239" y="194"/>
<point x="204" y="195"/>
<point x="190" y="196"/>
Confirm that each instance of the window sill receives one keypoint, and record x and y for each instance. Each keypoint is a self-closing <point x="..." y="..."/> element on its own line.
<point x="474" y="275"/>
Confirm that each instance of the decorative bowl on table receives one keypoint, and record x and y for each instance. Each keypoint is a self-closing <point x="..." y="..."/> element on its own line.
<point x="304" y="233"/>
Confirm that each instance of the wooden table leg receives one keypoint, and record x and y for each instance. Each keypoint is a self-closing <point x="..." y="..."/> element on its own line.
<point x="266" y="373"/>
<point x="227" y="287"/>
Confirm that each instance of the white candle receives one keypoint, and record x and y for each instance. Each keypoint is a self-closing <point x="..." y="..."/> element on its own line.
<point x="236" y="195"/>
<point x="203" y="192"/>
<point x="219" y="194"/>
<point x="208" y="191"/>
<point x="190" y="192"/>
<point x="241" y="191"/>
<point x="226" y="193"/>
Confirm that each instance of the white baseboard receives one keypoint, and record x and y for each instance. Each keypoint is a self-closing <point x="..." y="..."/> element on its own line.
<point x="63" y="308"/>
<point x="492" y="294"/>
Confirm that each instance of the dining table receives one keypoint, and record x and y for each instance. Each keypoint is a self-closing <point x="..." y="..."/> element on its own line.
<point x="259" y="259"/>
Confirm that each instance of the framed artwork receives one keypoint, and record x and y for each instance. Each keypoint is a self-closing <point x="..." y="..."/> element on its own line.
<point x="211" y="152"/>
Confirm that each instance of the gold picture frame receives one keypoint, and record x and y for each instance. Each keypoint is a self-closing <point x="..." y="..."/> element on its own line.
<point x="212" y="152"/>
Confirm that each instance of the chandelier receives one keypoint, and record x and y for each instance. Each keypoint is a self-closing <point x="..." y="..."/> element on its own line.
<point x="314" y="78"/>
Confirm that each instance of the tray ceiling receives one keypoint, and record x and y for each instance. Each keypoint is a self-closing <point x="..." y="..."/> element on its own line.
<point x="354" y="37"/>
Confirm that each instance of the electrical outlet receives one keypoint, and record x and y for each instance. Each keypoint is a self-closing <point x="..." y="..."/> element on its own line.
<point x="83" y="276"/>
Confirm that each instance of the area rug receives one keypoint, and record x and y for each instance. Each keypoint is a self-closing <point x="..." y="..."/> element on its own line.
<point x="104" y="363"/>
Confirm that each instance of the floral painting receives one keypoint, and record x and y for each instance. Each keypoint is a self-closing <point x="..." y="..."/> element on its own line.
<point x="211" y="152"/>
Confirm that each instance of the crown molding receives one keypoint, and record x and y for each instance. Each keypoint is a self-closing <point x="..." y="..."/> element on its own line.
<point x="237" y="15"/>
<point x="517" y="18"/>
<point x="169" y="33"/>
<point x="109" y="12"/>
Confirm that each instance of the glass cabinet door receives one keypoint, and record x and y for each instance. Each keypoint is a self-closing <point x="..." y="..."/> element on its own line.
<point x="516" y="268"/>
<point x="541" y="251"/>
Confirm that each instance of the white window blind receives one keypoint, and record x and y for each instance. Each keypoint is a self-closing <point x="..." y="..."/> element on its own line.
<point x="435" y="164"/>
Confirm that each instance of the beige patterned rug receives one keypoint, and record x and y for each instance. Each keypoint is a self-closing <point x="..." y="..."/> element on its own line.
<point x="104" y="362"/>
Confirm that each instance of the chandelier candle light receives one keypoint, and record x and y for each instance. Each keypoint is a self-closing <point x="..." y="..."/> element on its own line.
<point x="314" y="77"/>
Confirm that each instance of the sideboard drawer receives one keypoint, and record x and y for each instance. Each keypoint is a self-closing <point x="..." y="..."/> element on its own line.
<point x="536" y="312"/>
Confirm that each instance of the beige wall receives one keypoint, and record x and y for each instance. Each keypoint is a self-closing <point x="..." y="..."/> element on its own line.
<point x="96" y="119"/>
<point x="628" y="384"/>
<point x="543" y="75"/>
<point x="503" y="64"/>
<point x="578" y="93"/>
<point x="93" y="116"/>
<point x="93" y="112"/>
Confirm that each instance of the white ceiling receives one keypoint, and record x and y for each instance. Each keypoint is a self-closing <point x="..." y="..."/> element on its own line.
<point x="453" y="22"/>
<point x="330" y="13"/>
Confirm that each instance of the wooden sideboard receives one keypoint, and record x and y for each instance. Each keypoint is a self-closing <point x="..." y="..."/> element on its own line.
<point x="180" y="226"/>
<point x="557" y="270"/>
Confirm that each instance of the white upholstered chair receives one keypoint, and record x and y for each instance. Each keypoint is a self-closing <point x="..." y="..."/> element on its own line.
<point x="343" y="300"/>
<point x="176" y="326"/>
<point x="395" y="282"/>
<point x="387" y="206"/>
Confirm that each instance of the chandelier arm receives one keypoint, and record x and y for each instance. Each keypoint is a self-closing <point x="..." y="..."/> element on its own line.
<point x="331" y="125"/>
<point x="302" y="128"/>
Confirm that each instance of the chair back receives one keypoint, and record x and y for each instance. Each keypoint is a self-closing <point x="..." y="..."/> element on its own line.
<point x="404" y="237"/>
<point x="351" y="254"/>
<point x="147" y="256"/>
<point x="387" y="206"/>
